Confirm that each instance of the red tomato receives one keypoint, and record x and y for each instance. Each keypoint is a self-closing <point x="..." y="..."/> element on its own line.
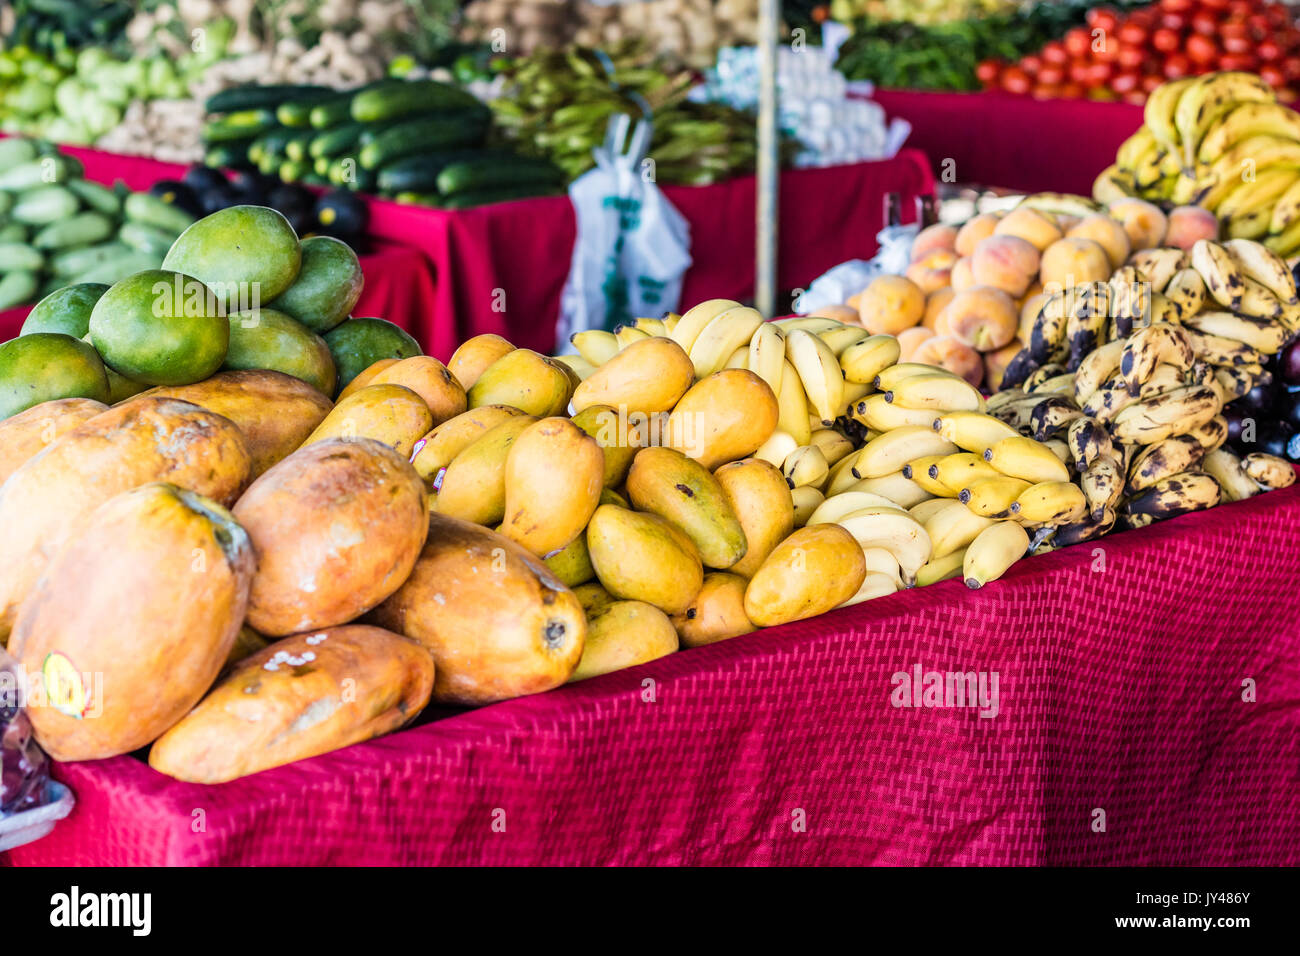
<point x="1102" y="18"/>
<point x="1031" y="64"/>
<point x="1177" y="66"/>
<point x="1015" y="80"/>
<point x="1278" y="13"/>
<point x="1260" y="25"/>
<point x="1268" y="51"/>
<point x="1071" y="91"/>
<point x="1205" y="22"/>
<point x="1144" y="18"/>
<point x="1271" y="75"/>
<point x="1173" y="21"/>
<point x="1133" y="33"/>
<point x="1177" y="6"/>
<point x="1099" y="74"/>
<point x="1136" y="97"/>
<point x="1051" y="75"/>
<point x="1042" y="91"/>
<point x="1132" y="57"/>
<point x="1054" y="52"/>
<point x="987" y="72"/>
<point x="1215" y="4"/>
<point x="1079" y="71"/>
<point x="1151" y="81"/>
<point x="1201" y="49"/>
<point x="1241" y="8"/>
<point x="1105" y="47"/>
<point x="1291" y="68"/>
<point x="1125" y="82"/>
<point x="1078" y="43"/>
<point x="1245" y="62"/>
<point x="1166" y="40"/>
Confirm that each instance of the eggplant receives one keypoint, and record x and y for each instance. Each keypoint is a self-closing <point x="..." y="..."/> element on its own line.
<point x="178" y="194"/>
<point x="342" y="215"/>
<point x="201" y="178"/>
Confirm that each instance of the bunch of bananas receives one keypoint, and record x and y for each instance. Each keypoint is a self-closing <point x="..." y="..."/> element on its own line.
<point x="1220" y="141"/>
<point x="558" y="105"/>
<point x="1127" y="380"/>
<point x="857" y="435"/>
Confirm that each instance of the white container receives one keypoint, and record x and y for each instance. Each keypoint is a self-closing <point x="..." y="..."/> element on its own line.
<point x="29" y="826"/>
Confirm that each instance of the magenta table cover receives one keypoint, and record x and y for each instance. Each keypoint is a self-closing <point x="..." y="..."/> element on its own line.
<point x="1126" y="670"/>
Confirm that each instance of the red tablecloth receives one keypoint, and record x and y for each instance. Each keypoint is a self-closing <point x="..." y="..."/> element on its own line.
<point x="501" y="268"/>
<point x="1121" y="737"/>
<point x="995" y="139"/>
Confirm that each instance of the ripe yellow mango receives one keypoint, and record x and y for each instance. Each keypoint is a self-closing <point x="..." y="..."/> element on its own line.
<point x="624" y="634"/>
<point x="717" y="613"/>
<point x="648" y="376"/>
<point x="473" y="487"/>
<point x="762" y="502"/>
<point x="391" y="414"/>
<point x="554" y="475"/>
<point x="641" y="557"/>
<point x="814" y="570"/>
<point x="527" y="380"/>
<point x="680" y="490"/>
<point x="723" y="417"/>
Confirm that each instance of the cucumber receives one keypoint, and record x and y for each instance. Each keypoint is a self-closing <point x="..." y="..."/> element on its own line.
<point x="6" y="203"/>
<point x="268" y="164"/>
<point x="79" y="230"/>
<point x="489" y="173"/>
<point x="291" y="170"/>
<point x="231" y="155"/>
<point x="420" y="173"/>
<point x="347" y="172"/>
<point x="37" y="172"/>
<point x="16" y="151"/>
<point x="314" y="179"/>
<point x="13" y="232"/>
<point x="486" y="197"/>
<point x="296" y="147"/>
<point x="333" y="142"/>
<point x="297" y="112"/>
<point x="17" y="287"/>
<point x="254" y="97"/>
<point x="119" y="268"/>
<point x="401" y="98"/>
<point x="320" y="166"/>
<point x="239" y="126"/>
<point x="20" y="256"/>
<point x="434" y="133"/>
<point x="97" y="197"/>
<point x="331" y="112"/>
<point x="145" y="238"/>
<point x="71" y="262"/>
<point x="36" y="207"/>
<point x="152" y="211"/>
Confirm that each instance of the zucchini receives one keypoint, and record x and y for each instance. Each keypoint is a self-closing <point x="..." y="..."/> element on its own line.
<point x="296" y="147"/>
<point x="151" y="211"/>
<point x="240" y="125"/>
<point x="331" y="112"/>
<point x="476" y="176"/>
<point x="97" y="197"/>
<point x="71" y="262"/>
<point x="320" y="166"/>
<point x="20" y="256"/>
<point x="447" y="131"/>
<point x="346" y="171"/>
<point x="17" y="287"/>
<point x="254" y="97"/>
<point x="420" y="173"/>
<point x="274" y="142"/>
<point x="400" y="98"/>
<point x="37" y="172"/>
<point x="144" y="238"/>
<point x="291" y="170"/>
<point x="339" y="139"/>
<point x="231" y="155"/>
<point x="297" y="112"/>
<point x="37" y="207"/>
<point x="486" y="197"/>
<point x="79" y="230"/>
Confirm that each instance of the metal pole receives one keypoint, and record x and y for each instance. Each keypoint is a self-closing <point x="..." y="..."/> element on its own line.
<point x="769" y="171"/>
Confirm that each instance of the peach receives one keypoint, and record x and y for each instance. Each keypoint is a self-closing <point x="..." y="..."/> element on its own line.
<point x="841" y="313"/>
<point x="933" y="271"/>
<point x="1029" y="310"/>
<point x="1039" y="229"/>
<point x="1187" y="224"/>
<point x="1035" y="288"/>
<point x="1070" y="262"/>
<point x="854" y="302"/>
<point x="996" y="362"/>
<point x="1005" y="262"/>
<point x="946" y="352"/>
<point x="982" y="317"/>
<point x="1106" y="232"/>
<point x="909" y="340"/>
<point x="932" y="238"/>
<point x="890" y="304"/>
<point x="1143" y="221"/>
<point x="960" y="275"/>
<point x="934" y="303"/>
<point x="976" y="228"/>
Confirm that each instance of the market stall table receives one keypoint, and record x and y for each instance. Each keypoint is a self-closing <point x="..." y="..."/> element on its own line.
<point x="1147" y="712"/>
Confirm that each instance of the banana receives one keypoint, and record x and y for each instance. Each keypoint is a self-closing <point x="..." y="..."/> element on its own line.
<point x="767" y="355"/>
<point x="670" y="320"/>
<point x="1062" y="385"/>
<point x="650" y="326"/>
<point x="792" y="406"/>
<point x="1096" y="368"/>
<point x="886" y="379"/>
<point x="1088" y="441"/>
<point x="1212" y="434"/>
<point x="1159" y="264"/>
<point x="993" y="497"/>
<point x="1186" y="290"/>
<point x="1223" y="277"/>
<point x="894" y="449"/>
<point x="1051" y="415"/>
<point x="841" y="339"/>
<point x="627" y="334"/>
<point x="875" y="584"/>
<point x="1047" y="340"/>
<point x="1158" y="113"/>
<point x="1051" y="503"/>
<point x="993" y="552"/>
<point x="1102" y="486"/>
<point x="953" y="528"/>
<point x="1258" y="303"/>
<point x="834" y="446"/>
<point x="1262" y="335"/>
<point x="1286" y="211"/>
<point x="1178" y="494"/>
<point x="819" y="370"/>
<point x="919" y="471"/>
<point x="805" y="465"/>
<point x="1059" y="448"/>
<point x="1003" y="397"/>
<point x="1137" y="145"/>
<point x="1061" y="204"/>
<point x="1163" y="459"/>
<point x="972" y="431"/>
<point x="595" y="345"/>
<point x="1226" y="468"/>
<point x="1090" y="528"/>
<point x="1130" y="300"/>
<point x="864" y="360"/>
<point x="959" y="470"/>
<point x="938" y="393"/>
<point x="1249" y="225"/>
<point x="688" y="328"/>
<point x="897" y="532"/>
<point x="838" y="506"/>
<point x="1043" y="374"/>
<point x="1286" y="242"/>
<point x="878" y="414"/>
<point x="809" y="323"/>
<point x="1162" y="416"/>
<point x="1113" y="184"/>
<point x="580" y="366"/>
<point x="841" y="477"/>
<point x="1235" y="381"/>
<point x="1021" y="366"/>
<point x="1016" y="415"/>
<point x="725" y="333"/>
<point x="1263" y="190"/>
<point x="1243" y="122"/>
<point x="779" y="446"/>
<point x="1165" y="378"/>
<point x="895" y="487"/>
<point x="927" y="509"/>
<point x="738" y="359"/>
<point x="806" y="500"/>
<point x="1269" y="471"/>
<point x="941" y="569"/>
<point x="1264" y="266"/>
<point x="1085" y="327"/>
<point x="1148" y="347"/>
<point x="1149" y="169"/>
<point x="1026" y="459"/>
<point x="1107" y="402"/>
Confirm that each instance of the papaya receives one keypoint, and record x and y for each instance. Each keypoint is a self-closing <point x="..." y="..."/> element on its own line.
<point x="650" y="375"/>
<point x="814" y="570"/>
<point x="498" y="623"/>
<point x="65" y="310"/>
<point x="530" y="382"/>
<point x="275" y="412"/>
<point x="618" y="437"/>
<point x="337" y="527"/>
<point x="300" y="697"/>
<point x="29" y="433"/>
<point x="473" y="486"/>
<point x="723" y="417"/>
<point x="641" y="557"/>
<point x="133" y="619"/>
<point x="436" y="450"/>
<point x="44" y="366"/>
<point x="717" y="612"/>
<point x="761" y="501"/>
<point x="248" y="255"/>
<point x="680" y="490"/>
<point x="160" y="328"/>
<point x="265" y="338"/>
<point x="554" y="474"/>
<point x="476" y="354"/>
<point x="356" y="344"/>
<point x="365" y="376"/>
<point x="142" y="441"/>
<point x="430" y="379"/>
<point x="572" y="563"/>
<point x="624" y="634"/>
<point x="327" y="286"/>
<point x="392" y="414"/>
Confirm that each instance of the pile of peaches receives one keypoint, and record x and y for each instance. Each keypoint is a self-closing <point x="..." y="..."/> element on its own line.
<point x="969" y="297"/>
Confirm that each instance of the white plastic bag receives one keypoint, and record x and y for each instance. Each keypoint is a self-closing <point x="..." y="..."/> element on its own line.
<point x="632" y="248"/>
<point x="837" y="284"/>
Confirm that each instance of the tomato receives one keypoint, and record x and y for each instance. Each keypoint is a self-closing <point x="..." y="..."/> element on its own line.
<point x="1151" y="81"/>
<point x="1031" y="64"/>
<point x="1125" y="82"/>
<point x="1173" y="21"/>
<point x="1136" y="97"/>
<point x="1241" y="8"/>
<point x="1291" y="68"/>
<point x="1099" y="74"/>
<point x="1145" y="18"/>
<point x="1245" y="62"/>
<point x="1260" y="25"/>
<point x="1205" y="22"/>
<point x="1272" y="75"/>
<point x="1054" y="52"/>
<point x="1268" y="51"/>
<point x="1051" y="75"/>
<point x="1201" y="49"/>
<point x="1015" y="80"/>
<point x="1102" y="18"/>
<point x="1133" y="34"/>
<point x="987" y="73"/>
<point x="1177" y="66"/>
<point x="1278" y="13"/>
<point x="1132" y="57"/>
<point x="1166" y="40"/>
<point x="1215" y="4"/>
<point x="1105" y="48"/>
<point x="1042" y="91"/>
<point x="1177" y="6"/>
<point x="1078" y="43"/>
<point x="1071" y="91"/>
